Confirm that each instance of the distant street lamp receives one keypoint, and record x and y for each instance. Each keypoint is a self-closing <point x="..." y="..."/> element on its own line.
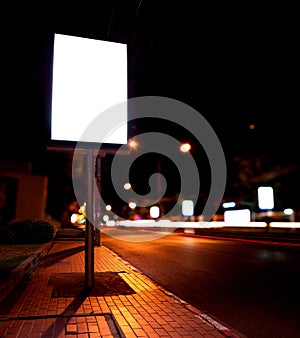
<point x="127" y="186"/>
<point x="132" y="205"/>
<point x="185" y="147"/>
<point x="132" y="144"/>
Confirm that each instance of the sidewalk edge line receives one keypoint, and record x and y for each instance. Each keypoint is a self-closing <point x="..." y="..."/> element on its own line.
<point x="199" y="314"/>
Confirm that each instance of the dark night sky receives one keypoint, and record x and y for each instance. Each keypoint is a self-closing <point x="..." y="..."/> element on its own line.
<point x="236" y="65"/>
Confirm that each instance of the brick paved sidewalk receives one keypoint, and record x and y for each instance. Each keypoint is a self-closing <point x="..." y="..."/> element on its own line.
<point x="123" y="302"/>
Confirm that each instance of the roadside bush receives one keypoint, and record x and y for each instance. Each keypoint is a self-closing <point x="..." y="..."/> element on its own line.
<point x="55" y="224"/>
<point x="30" y="232"/>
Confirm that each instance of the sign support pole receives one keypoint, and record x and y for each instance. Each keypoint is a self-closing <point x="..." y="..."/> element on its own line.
<point x="97" y="200"/>
<point x="89" y="235"/>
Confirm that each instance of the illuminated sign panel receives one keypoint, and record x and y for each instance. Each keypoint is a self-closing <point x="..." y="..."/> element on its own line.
<point x="265" y="198"/>
<point x="188" y="208"/>
<point x="89" y="77"/>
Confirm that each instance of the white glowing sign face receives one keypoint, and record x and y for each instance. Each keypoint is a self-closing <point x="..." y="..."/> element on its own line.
<point x="188" y="208"/>
<point x="154" y="212"/>
<point x="265" y="198"/>
<point x="89" y="77"/>
<point x="237" y="217"/>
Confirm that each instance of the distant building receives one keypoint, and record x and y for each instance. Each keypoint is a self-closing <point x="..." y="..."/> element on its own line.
<point x="23" y="195"/>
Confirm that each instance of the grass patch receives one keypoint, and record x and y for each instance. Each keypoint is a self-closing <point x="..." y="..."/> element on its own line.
<point x="12" y="255"/>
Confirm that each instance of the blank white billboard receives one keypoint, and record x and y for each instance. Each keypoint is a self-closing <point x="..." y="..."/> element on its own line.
<point x="187" y="208"/>
<point x="265" y="198"/>
<point x="89" y="77"/>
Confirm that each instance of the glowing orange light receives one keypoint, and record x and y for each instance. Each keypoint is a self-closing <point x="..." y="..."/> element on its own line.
<point x="132" y="144"/>
<point x="185" y="147"/>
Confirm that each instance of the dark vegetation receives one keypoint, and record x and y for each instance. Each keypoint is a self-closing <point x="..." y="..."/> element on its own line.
<point x="20" y="239"/>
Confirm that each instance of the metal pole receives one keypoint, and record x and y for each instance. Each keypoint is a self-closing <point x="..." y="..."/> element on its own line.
<point x="89" y="231"/>
<point x="97" y="200"/>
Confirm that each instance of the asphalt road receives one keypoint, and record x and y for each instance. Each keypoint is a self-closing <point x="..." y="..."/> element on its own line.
<point x="251" y="288"/>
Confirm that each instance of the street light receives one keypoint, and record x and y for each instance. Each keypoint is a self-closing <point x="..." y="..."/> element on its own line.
<point x="127" y="186"/>
<point x="132" y="205"/>
<point x="132" y="144"/>
<point x="185" y="147"/>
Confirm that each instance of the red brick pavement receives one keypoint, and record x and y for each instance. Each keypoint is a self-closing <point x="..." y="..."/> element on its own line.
<point x="146" y="311"/>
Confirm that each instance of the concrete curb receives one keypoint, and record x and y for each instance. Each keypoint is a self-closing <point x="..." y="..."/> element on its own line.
<point x="23" y="269"/>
